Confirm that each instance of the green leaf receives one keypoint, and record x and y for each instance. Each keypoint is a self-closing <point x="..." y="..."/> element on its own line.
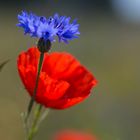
<point x="3" y="64"/>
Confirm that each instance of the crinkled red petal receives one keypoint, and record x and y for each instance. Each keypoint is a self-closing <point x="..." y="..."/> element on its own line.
<point x="63" y="81"/>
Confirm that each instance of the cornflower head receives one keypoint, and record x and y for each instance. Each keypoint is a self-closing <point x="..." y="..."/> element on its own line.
<point x="48" y="28"/>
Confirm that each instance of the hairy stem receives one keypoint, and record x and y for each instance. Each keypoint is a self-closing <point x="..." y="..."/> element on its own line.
<point x="36" y="86"/>
<point x="34" y="127"/>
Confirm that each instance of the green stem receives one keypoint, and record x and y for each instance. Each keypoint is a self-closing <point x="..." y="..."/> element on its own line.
<point x="36" y="86"/>
<point x="35" y="122"/>
<point x="43" y="116"/>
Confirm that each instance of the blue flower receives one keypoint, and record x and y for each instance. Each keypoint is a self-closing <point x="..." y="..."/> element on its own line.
<point x="66" y="31"/>
<point x="48" y="29"/>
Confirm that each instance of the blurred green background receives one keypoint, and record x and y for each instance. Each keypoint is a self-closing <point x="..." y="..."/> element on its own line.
<point x="108" y="45"/>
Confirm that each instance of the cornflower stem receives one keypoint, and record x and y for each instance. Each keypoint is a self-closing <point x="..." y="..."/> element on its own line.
<point x="36" y="86"/>
<point x="34" y="126"/>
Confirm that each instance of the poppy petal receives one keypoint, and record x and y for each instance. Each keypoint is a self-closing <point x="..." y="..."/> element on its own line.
<point x="63" y="81"/>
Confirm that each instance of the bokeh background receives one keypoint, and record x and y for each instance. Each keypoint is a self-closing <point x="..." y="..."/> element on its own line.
<point x="109" y="45"/>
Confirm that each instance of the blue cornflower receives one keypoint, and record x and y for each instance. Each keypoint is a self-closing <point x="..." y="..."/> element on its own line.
<point x="66" y="30"/>
<point x="48" y="29"/>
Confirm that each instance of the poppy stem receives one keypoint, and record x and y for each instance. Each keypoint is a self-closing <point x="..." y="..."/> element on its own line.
<point x="34" y="127"/>
<point x="36" y="86"/>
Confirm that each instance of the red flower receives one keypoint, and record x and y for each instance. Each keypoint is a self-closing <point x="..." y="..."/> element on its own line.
<point x="63" y="81"/>
<point x="72" y="135"/>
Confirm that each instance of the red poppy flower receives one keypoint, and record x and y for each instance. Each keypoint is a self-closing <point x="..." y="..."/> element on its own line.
<point x="74" y="135"/>
<point x="63" y="81"/>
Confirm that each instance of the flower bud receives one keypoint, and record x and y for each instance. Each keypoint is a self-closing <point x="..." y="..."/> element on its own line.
<point x="44" y="45"/>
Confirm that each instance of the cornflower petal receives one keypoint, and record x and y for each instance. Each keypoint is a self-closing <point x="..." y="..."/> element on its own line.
<point x="48" y="29"/>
